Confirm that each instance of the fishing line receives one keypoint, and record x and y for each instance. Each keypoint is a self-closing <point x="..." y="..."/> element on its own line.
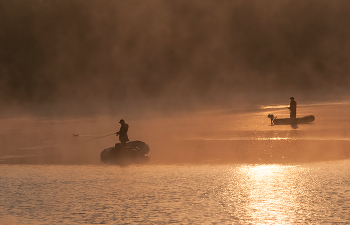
<point x="94" y="138"/>
<point x="74" y="135"/>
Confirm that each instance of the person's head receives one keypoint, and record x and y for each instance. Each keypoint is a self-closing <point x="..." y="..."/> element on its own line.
<point x="292" y="98"/>
<point x="121" y="121"/>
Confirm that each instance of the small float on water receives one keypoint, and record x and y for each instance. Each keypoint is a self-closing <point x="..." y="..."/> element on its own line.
<point x="131" y="152"/>
<point x="290" y="121"/>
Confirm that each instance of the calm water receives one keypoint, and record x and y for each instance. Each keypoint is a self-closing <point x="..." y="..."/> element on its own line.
<point x="315" y="193"/>
<point x="217" y="167"/>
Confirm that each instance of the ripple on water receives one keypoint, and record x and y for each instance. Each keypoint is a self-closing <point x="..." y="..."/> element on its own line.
<point x="222" y="194"/>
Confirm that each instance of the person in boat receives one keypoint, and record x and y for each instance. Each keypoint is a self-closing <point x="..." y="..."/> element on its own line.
<point x="293" y="108"/>
<point x="123" y="132"/>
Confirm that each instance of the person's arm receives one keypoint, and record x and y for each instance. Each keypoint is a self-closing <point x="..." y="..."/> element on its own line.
<point x="120" y="130"/>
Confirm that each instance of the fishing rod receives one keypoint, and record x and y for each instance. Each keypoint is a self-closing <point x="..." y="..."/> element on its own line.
<point x="77" y="135"/>
<point x="74" y="135"/>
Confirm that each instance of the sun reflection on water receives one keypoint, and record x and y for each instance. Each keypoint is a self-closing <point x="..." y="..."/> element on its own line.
<point x="269" y="193"/>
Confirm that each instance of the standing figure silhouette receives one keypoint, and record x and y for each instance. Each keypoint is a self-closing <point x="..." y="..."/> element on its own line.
<point x="293" y="108"/>
<point x="123" y="132"/>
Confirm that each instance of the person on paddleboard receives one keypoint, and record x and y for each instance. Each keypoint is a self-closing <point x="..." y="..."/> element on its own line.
<point x="293" y="108"/>
<point x="123" y="132"/>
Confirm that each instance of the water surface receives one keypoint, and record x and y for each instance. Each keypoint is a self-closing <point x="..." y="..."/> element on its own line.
<point x="315" y="193"/>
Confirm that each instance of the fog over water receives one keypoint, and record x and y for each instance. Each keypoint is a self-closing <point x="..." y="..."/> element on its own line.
<point x="206" y="137"/>
<point x="105" y="56"/>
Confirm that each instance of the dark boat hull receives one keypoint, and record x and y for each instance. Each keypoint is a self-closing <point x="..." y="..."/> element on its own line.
<point x="289" y="121"/>
<point x="131" y="152"/>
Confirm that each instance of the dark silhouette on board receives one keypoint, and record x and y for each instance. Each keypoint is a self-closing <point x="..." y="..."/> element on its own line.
<point x="126" y="151"/>
<point x="293" y="120"/>
<point x="293" y="108"/>
<point x="123" y="132"/>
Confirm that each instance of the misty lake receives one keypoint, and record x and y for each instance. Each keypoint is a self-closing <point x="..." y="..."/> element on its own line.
<point x="211" y="167"/>
<point x="195" y="81"/>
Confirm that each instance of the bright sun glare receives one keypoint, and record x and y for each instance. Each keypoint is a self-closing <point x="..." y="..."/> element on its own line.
<point x="270" y="195"/>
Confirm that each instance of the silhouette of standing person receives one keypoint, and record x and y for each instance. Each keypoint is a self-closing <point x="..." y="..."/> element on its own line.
<point x="123" y="132"/>
<point x="293" y="108"/>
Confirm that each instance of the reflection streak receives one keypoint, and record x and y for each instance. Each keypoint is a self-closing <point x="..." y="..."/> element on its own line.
<point x="270" y="193"/>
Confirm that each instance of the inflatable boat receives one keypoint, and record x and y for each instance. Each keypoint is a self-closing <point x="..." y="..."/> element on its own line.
<point x="131" y="152"/>
<point x="290" y="121"/>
